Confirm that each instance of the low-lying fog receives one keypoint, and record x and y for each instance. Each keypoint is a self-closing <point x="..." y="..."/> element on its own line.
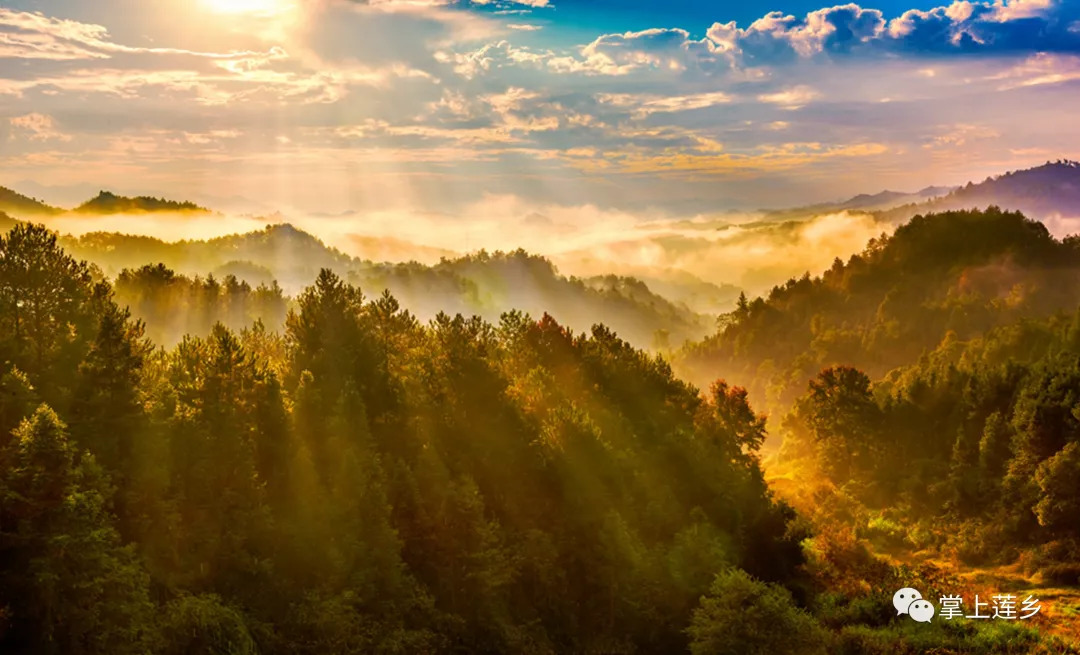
<point x="742" y="249"/>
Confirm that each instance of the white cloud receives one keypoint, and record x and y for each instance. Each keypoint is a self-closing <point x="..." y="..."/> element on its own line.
<point x="37" y="127"/>
<point x="26" y="35"/>
<point x="793" y="98"/>
<point x="642" y="105"/>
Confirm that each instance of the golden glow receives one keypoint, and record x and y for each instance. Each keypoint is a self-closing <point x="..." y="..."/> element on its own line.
<point x="265" y="7"/>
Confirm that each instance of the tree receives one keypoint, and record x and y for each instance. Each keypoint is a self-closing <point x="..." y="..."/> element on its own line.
<point x="69" y="585"/>
<point x="17" y="400"/>
<point x="106" y="413"/>
<point x="1059" y="483"/>
<point x="742" y="306"/>
<point x="844" y="420"/>
<point x="1045" y="420"/>
<point x="743" y="616"/>
<point x="46" y="309"/>
<point x="735" y="418"/>
<point x="211" y="412"/>
<point x="995" y="446"/>
<point x="205" y="625"/>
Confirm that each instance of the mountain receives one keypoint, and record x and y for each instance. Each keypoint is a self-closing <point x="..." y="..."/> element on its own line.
<point x="864" y="202"/>
<point x="6" y="223"/>
<point x="15" y="203"/>
<point x="953" y="275"/>
<point x="1044" y="192"/>
<point x="110" y="203"/>
<point x="66" y="195"/>
<point x="887" y="199"/>
<point x="484" y="284"/>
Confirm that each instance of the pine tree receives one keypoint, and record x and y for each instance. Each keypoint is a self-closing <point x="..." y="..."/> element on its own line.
<point x="69" y="585"/>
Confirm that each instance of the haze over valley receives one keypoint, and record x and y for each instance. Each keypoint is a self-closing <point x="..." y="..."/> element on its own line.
<point x="640" y="275"/>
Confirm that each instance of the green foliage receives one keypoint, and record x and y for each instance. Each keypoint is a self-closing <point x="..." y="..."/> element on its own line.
<point x="174" y="305"/>
<point x="843" y="420"/>
<point x="1058" y="478"/>
<point x="744" y="616"/>
<point x="1007" y="478"/>
<point x="20" y="205"/>
<point x="910" y="638"/>
<point x="204" y="625"/>
<point x="67" y="583"/>
<point x="46" y="309"/>
<point x="362" y="483"/>
<point x="166" y="284"/>
<point x="17" y="400"/>
<point x="110" y="203"/>
<point x="960" y="272"/>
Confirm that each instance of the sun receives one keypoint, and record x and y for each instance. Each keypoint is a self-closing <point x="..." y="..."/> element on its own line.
<point x="265" y="7"/>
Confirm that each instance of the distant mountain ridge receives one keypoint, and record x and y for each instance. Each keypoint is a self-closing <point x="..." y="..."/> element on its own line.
<point x="882" y="200"/>
<point x="1052" y="189"/>
<point x="867" y="201"/>
<point x="110" y="203"/>
<point x="483" y="283"/>
<point x="105" y="203"/>
<point x="13" y="202"/>
<point x="1043" y="192"/>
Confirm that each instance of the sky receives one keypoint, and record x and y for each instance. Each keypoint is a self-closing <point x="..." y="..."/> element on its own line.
<point x="673" y="109"/>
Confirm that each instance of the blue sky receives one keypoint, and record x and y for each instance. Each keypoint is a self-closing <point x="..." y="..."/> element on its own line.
<point x="581" y="18"/>
<point x="677" y="108"/>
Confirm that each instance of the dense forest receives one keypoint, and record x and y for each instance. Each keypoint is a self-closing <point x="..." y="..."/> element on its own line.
<point x="952" y="275"/>
<point x="282" y="260"/>
<point x="979" y="437"/>
<point x="16" y="203"/>
<point x="359" y="481"/>
<point x="110" y="203"/>
<point x="104" y="203"/>
<point x="926" y="401"/>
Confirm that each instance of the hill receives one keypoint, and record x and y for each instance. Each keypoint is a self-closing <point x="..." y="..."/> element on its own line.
<point x="484" y="284"/>
<point x="15" y="203"/>
<point x="110" y="203"/>
<point x="957" y="273"/>
<point x="880" y="201"/>
<point x="1044" y="192"/>
<point x="892" y="198"/>
<point x="6" y="222"/>
<point x="361" y="482"/>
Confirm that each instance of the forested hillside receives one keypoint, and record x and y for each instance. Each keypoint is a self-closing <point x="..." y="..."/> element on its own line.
<point x="110" y="203"/>
<point x="104" y="203"/>
<point x="973" y="450"/>
<point x="1043" y="192"/>
<point x="20" y="205"/>
<point x="360" y="483"/>
<point x="267" y="265"/>
<point x="954" y="275"/>
<point x="6" y="222"/>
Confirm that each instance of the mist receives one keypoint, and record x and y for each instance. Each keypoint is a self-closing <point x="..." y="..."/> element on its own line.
<point x="701" y="260"/>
